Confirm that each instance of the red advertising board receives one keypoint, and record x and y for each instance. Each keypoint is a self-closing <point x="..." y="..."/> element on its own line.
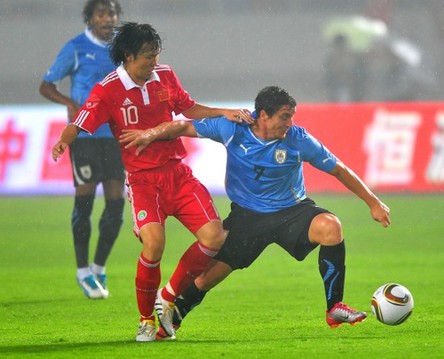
<point x="393" y="147"/>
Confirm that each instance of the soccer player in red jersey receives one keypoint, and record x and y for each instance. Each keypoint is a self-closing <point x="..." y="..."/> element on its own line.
<point x="141" y="94"/>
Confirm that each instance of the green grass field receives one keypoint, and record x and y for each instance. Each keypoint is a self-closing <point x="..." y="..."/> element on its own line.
<point x="274" y="309"/>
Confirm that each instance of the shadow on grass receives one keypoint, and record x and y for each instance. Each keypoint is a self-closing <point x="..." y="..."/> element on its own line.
<point x="61" y="347"/>
<point x="69" y="347"/>
<point x="35" y="302"/>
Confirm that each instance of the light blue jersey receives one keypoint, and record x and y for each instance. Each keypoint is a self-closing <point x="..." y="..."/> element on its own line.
<point x="265" y="176"/>
<point x="87" y="61"/>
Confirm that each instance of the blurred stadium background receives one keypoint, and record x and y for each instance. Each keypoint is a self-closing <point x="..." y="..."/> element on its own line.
<point x="224" y="51"/>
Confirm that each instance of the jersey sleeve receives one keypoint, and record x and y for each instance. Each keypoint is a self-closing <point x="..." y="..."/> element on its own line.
<point x="218" y="129"/>
<point x="315" y="152"/>
<point x="95" y="112"/>
<point x="64" y="64"/>
<point x="182" y="99"/>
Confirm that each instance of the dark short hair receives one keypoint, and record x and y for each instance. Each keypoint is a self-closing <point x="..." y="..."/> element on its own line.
<point x="271" y="99"/>
<point x="130" y="38"/>
<point x="90" y="5"/>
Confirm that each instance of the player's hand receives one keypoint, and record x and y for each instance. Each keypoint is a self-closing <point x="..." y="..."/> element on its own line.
<point x="139" y="138"/>
<point x="239" y="115"/>
<point x="381" y="213"/>
<point x="58" y="150"/>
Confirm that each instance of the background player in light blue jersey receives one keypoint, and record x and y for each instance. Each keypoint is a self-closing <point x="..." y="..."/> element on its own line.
<point x="264" y="181"/>
<point x="95" y="158"/>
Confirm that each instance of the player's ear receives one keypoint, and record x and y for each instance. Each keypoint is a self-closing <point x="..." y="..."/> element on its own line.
<point x="129" y="58"/>
<point x="262" y="115"/>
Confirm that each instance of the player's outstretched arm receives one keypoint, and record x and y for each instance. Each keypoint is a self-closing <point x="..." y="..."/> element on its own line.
<point x="379" y="211"/>
<point x="235" y="115"/>
<point x="68" y="135"/>
<point x="163" y="131"/>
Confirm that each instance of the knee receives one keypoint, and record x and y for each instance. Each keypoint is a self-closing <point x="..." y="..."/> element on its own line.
<point x="153" y="240"/>
<point x="219" y="238"/>
<point x="325" y="229"/>
<point x="212" y="235"/>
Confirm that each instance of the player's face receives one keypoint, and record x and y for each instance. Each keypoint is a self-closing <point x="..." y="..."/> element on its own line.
<point x="103" y="20"/>
<point x="279" y="124"/>
<point x="140" y="67"/>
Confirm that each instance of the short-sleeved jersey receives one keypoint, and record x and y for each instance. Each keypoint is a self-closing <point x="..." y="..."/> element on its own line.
<point x="265" y="176"/>
<point x="87" y="61"/>
<point x="122" y="103"/>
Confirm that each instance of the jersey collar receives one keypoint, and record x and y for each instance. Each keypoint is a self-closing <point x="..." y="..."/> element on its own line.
<point x="128" y="81"/>
<point x="94" y="39"/>
<point x="260" y="140"/>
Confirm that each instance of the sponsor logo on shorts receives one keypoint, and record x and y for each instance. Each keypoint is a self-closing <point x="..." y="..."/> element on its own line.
<point x="141" y="215"/>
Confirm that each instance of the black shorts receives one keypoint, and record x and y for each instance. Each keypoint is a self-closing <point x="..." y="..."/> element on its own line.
<point x="251" y="232"/>
<point x="95" y="160"/>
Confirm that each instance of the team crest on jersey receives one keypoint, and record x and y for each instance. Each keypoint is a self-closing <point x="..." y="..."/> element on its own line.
<point x="86" y="172"/>
<point x="280" y="155"/>
<point x="164" y="95"/>
<point x="141" y="215"/>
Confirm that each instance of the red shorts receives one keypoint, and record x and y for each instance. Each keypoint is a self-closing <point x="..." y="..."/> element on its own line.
<point x="172" y="190"/>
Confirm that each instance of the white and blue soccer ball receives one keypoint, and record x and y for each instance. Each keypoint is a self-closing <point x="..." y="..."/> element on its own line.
<point x="392" y="304"/>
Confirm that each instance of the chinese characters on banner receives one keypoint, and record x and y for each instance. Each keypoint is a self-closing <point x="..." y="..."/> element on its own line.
<point x="393" y="147"/>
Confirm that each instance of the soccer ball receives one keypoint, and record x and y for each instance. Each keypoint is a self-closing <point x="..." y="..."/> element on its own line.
<point x="392" y="304"/>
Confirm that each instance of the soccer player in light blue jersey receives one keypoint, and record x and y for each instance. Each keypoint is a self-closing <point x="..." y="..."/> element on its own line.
<point x="95" y="158"/>
<point x="264" y="181"/>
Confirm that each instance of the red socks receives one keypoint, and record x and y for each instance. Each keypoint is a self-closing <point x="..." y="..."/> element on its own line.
<point x="147" y="283"/>
<point x="192" y="263"/>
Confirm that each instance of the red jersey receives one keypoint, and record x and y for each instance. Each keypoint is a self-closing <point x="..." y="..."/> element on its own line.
<point x="122" y="103"/>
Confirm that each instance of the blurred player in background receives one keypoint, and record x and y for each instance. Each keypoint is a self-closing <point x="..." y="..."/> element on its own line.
<point x="141" y="94"/>
<point x="264" y="181"/>
<point x="95" y="159"/>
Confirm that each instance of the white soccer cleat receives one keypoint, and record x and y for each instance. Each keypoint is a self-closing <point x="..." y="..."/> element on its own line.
<point x="91" y="287"/>
<point x="102" y="279"/>
<point x="165" y="312"/>
<point x="147" y="331"/>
